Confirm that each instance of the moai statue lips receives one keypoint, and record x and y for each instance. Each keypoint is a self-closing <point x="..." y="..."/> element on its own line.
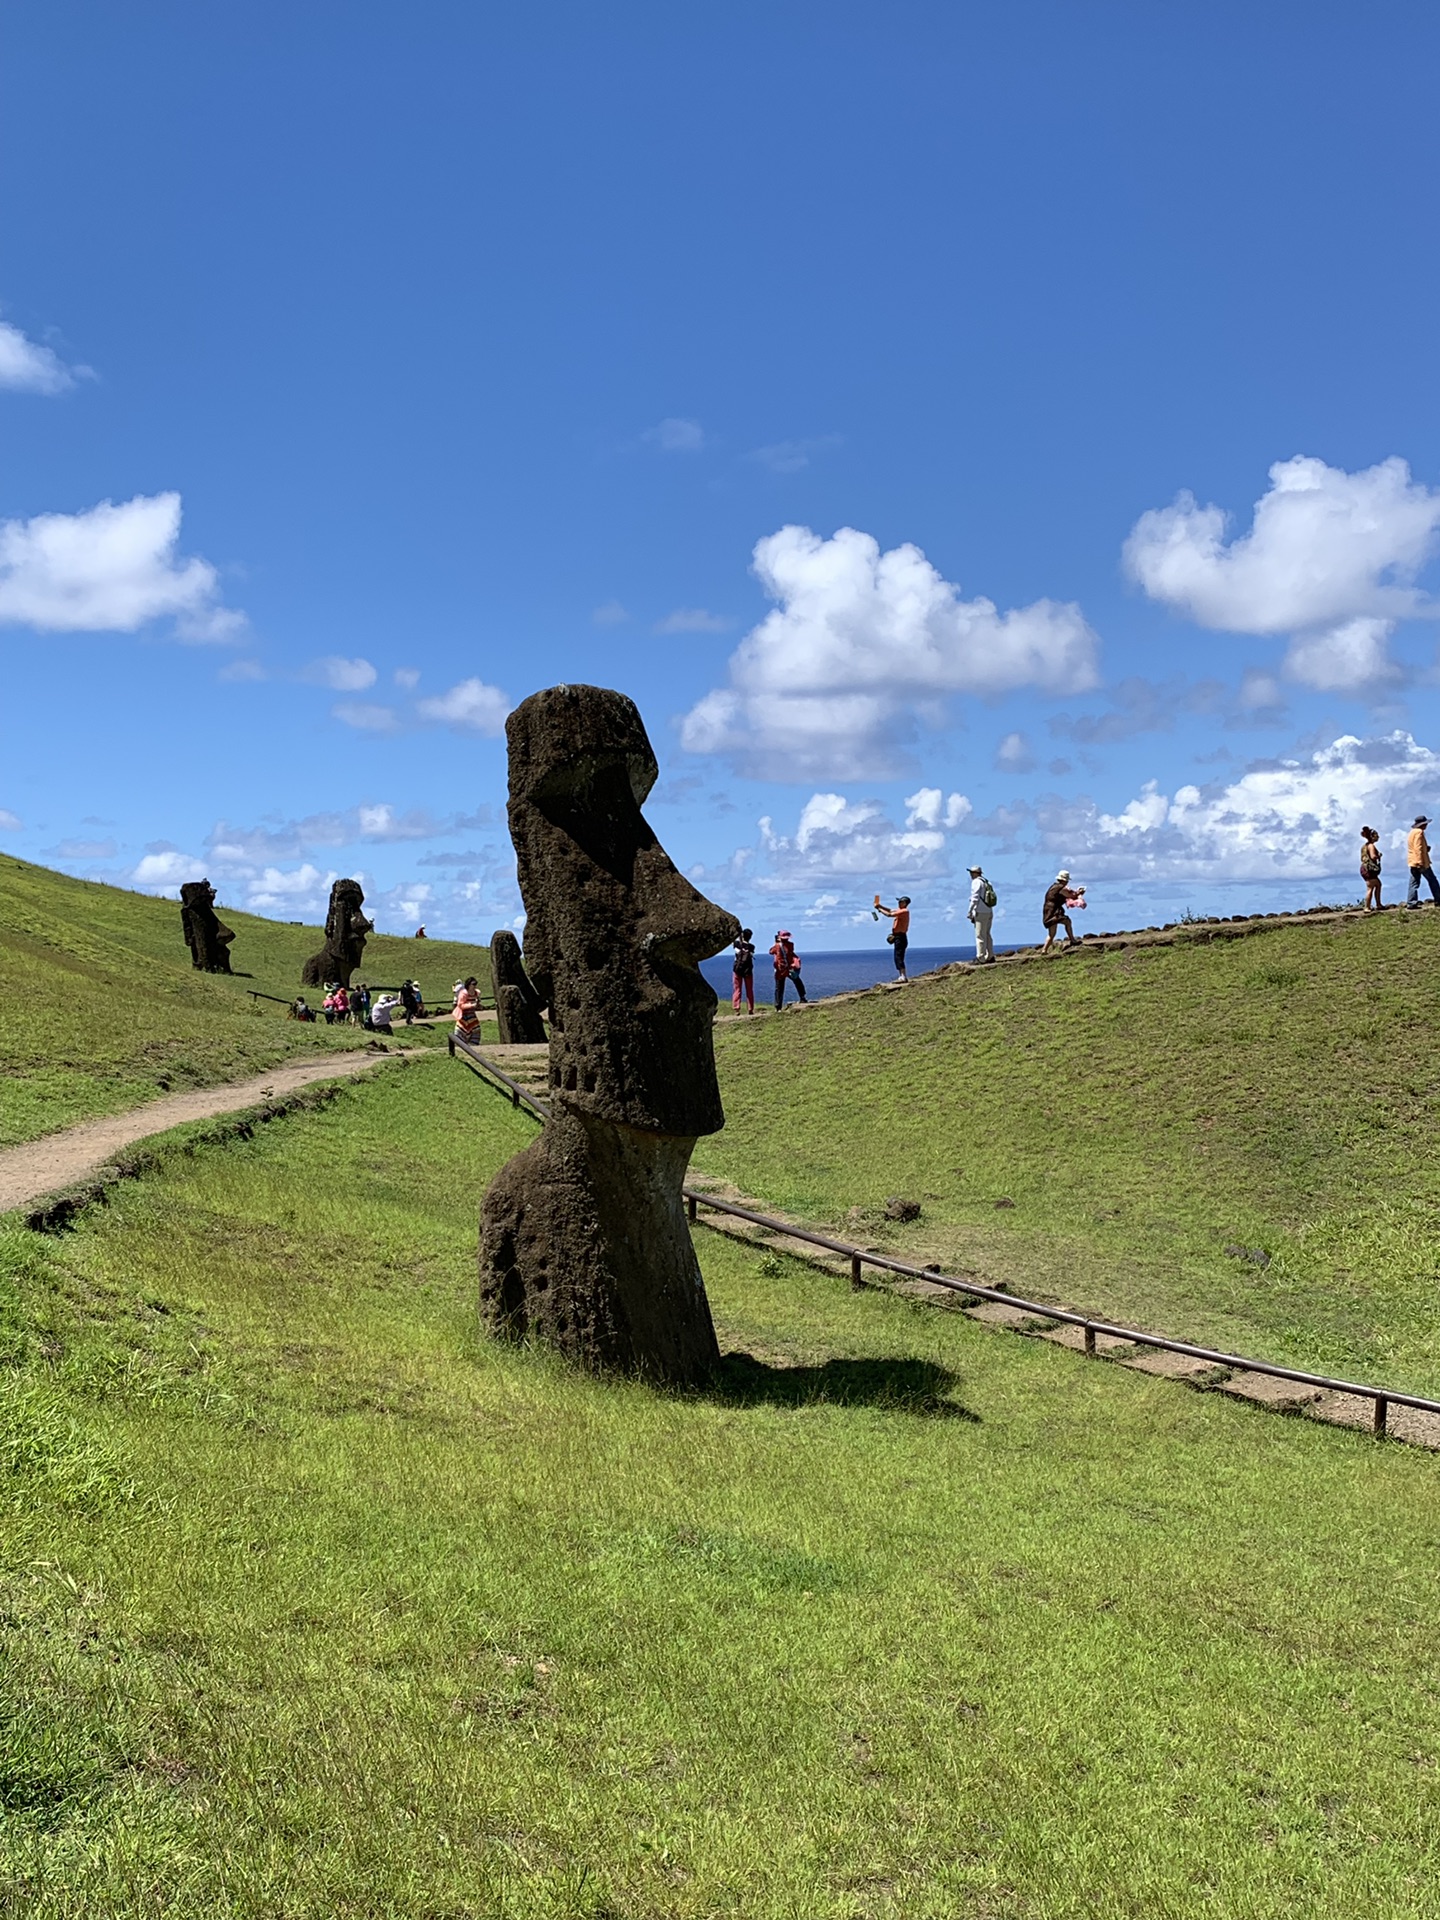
<point x="584" y="1240"/>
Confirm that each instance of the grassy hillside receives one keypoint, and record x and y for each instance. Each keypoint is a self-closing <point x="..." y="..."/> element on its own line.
<point x="1143" y="1111"/>
<point x="100" y="1008"/>
<point x="316" y="1603"/>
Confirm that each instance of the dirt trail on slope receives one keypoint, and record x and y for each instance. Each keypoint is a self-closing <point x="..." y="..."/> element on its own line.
<point x="41" y="1167"/>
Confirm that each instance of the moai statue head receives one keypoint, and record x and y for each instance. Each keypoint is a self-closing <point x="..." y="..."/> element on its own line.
<point x="614" y="933"/>
<point x="517" y="1005"/>
<point x="345" y="931"/>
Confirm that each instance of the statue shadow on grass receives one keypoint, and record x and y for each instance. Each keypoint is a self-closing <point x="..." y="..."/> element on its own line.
<point x="920" y="1387"/>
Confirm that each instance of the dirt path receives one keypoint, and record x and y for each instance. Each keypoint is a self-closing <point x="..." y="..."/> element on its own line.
<point x="41" y="1167"/>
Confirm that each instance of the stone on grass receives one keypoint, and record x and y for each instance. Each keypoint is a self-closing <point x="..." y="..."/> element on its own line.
<point x="897" y="1207"/>
<point x="345" y="931"/>
<point x="206" y="934"/>
<point x="584" y="1241"/>
<point x="517" y="1005"/>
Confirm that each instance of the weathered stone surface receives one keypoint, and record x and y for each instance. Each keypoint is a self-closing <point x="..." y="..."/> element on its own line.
<point x="206" y="935"/>
<point x="345" y="931"/>
<point x="1265" y="1390"/>
<point x="517" y="1004"/>
<point x="584" y="1240"/>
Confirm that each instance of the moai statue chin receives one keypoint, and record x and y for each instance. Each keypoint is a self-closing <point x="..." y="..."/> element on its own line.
<point x="206" y="934"/>
<point x="584" y="1241"/>
<point x="345" y="931"/>
<point x="517" y="1005"/>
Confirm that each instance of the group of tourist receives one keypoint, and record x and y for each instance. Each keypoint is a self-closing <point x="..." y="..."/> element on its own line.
<point x="357" y="1007"/>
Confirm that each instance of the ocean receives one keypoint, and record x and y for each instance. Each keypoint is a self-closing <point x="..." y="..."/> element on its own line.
<point x="848" y="972"/>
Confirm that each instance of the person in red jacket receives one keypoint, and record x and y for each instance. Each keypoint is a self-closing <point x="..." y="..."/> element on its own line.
<point x="787" y="967"/>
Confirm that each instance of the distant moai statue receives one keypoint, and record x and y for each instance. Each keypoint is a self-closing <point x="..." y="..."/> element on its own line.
<point x="517" y="1005"/>
<point x="345" y="931"/>
<point x="206" y="934"/>
<point x="584" y="1240"/>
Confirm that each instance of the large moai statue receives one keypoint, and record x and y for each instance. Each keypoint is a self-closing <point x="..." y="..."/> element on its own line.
<point x="517" y="1005"/>
<point x="584" y="1241"/>
<point x="345" y="931"/>
<point x="206" y="934"/>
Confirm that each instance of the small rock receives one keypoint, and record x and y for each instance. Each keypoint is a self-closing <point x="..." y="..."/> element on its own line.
<point x="898" y="1208"/>
<point x="1257" y="1256"/>
<point x="1003" y="1202"/>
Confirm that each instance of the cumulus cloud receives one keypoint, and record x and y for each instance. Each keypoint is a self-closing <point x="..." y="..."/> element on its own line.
<point x="9" y="822"/>
<point x="82" y="850"/>
<point x="26" y="367"/>
<point x="163" y="869"/>
<point x="366" y="716"/>
<point x="693" y="620"/>
<point x="235" y="848"/>
<point x="676" y="436"/>
<point x="108" y="570"/>
<point x="471" y="706"/>
<point x="341" y="675"/>
<point x="863" y="647"/>
<point x="1290" y="819"/>
<point x="842" y="840"/>
<point x="1014" y="755"/>
<point x="1331" y="559"/>
<point x="303" y="891"/>
<point x="407" y="676"/>
<point x="239" y="672"/>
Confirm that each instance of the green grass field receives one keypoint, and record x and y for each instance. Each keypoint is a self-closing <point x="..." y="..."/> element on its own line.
<point x="318" y="1604"/>
<point x="100" y="1008"/>
<point x="1143" y="1111"/>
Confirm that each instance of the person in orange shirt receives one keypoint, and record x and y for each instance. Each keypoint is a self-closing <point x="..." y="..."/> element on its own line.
<point x="899" y="934"/>
<point x="1417" y="852"/>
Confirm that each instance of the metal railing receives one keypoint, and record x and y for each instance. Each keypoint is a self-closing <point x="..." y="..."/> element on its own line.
<point x="1093" y="1327"/>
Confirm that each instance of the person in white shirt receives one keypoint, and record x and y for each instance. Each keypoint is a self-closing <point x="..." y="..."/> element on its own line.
<point x="982" y="912"/>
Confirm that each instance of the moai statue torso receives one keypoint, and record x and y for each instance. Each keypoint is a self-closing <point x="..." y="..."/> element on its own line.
<point x="206" y="934"/>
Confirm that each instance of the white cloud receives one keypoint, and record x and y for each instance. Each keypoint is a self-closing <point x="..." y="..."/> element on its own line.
<point x="28" y="368"/>
<point x="407" y="676"/>
<point x="304" y="890"/>
<point x="861" y="648"/>
<point x="83" y="850"/>
<point x="341" y="675"/>
<point x="108" y="570"/>
<point x="1014" y="754"/>
<point x="10" y="822"/>
<point x="366" y="716"/>
<point x="837" y="839"/>
<point x="1331" y="559"/>
<point x="611" y="614"/>
<point x="677" y="436"/>
<point x="471" y="705"/>
<point x="164" y="870"/>
<point x="929" y="808"/>
<point x="237" y="672"/>
<point x="693" y="620"/>
<point x="1294" y="819"/>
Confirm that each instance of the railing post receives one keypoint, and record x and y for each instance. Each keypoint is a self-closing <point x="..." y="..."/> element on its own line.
<point x="1382" y="1410"/>
<point x="1090" y="1340"/>
<point x="856" y="1280"/>
<point x="514" y="1096"/>
<point x="690" y="1207"/>
<point x="450" y="1043"/>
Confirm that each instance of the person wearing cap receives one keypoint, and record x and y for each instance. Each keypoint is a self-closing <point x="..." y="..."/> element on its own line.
<point x="787" y="967"/>
<point x="1417" y="852"/>
<point x="899" y="934"/>
<point x="981" y="913"/>
<point x="1055" y="912"/>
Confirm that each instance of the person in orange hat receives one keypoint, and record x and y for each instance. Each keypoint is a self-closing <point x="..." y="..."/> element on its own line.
<point x="1417" y="852"/>
<point x="787" y="967"/>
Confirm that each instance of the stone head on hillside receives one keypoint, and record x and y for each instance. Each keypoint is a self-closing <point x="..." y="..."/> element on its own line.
<point x="345" y="931"/>
<point x="517" y="1005"/>
<point x="584" y="1238"/>
<point x="206" y="934"/>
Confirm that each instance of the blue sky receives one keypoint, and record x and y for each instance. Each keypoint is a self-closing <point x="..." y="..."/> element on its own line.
<point x="999" y="433"/>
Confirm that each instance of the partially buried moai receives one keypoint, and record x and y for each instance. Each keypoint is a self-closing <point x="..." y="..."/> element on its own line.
<point x="517" y="1005"/>
<point x="345" y="931"/>
<point x="206" y="934"/>
<point x="584" y="1241"/>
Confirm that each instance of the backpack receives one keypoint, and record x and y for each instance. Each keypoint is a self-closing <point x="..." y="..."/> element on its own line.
<point x="988" y="895"/>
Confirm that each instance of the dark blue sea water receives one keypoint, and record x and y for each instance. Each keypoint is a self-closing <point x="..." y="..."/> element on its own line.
<point x="827" y="973"/>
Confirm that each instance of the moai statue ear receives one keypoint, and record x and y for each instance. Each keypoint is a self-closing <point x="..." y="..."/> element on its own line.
<point x="584" y="1240"/>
